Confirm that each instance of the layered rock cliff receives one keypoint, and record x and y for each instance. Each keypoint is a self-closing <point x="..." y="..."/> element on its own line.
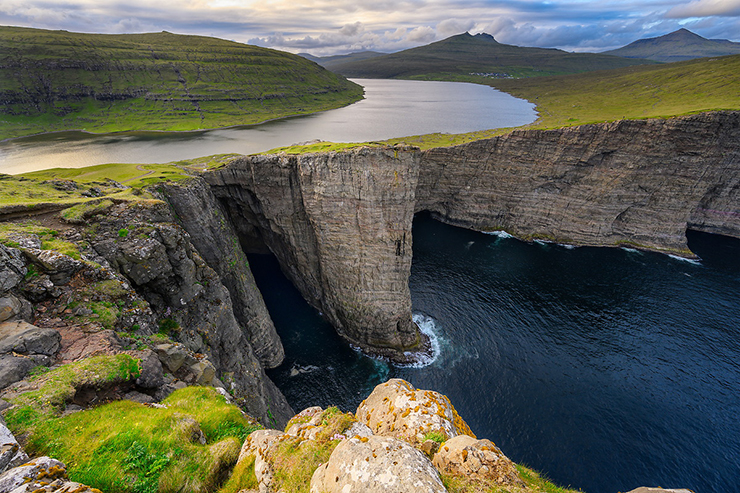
<point x="340" y="223"/>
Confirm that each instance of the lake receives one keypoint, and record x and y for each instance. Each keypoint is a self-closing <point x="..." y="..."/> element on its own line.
<point x="391" y="108"/>
<point x="607" y="369"/>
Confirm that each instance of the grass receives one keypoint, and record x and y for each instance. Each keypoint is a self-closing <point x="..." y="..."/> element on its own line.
<point x="533" y="481"/>
<point x="56" y="388"/>
<point x="48" y="237"/>
<point x="128" y="447"/>
<point x="56" y="80"/>
<point x="320" y="147"/>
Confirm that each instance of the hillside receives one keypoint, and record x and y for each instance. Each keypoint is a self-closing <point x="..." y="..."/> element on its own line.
<point x="677" y="46"/>
<point x="331" y="61"/>
<point x="466" y="54"/>
<point x="56" y="80"/>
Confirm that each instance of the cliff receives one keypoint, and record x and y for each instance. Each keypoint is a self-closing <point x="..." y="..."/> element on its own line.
<point x="340" y="223"/>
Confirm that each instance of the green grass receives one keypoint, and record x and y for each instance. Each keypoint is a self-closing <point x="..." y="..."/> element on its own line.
<point x="128" y="447"/>
<point x="56" y="80"/>
<point x="57" y="387"/>
<point x="320" y="147"/>
<point x="632" y="93"/>
<point x="48" y="237"/>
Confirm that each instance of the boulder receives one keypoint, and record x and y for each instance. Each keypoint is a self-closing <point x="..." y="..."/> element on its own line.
<point x="11" y="453"/>
<point x="395" y="408"/>
<point x="14" y="369"/>
<point x="481" y="460"/>
<point x="203" y="372"/>
<point x="10" y="306"/>
<point x="22" y="337"/>
<point x="12" y="268"/>
<point x="172" y="356"/>
<point x="376" y="465"/>
<point x="42" y="468"/>
<point x="152" y="375"/>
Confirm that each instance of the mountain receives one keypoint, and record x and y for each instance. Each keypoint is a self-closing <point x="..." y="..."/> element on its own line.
<point x="330" y="61"/>
<point x="57" y="80"/>
<point x="676" y="47"/>
<point x="480" y="54"/>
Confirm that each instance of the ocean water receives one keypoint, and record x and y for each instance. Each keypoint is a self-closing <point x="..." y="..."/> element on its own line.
<point x="607" y="369"/>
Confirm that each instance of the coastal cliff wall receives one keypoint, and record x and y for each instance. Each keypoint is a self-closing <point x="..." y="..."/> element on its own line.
<point x="636" y="182"/>
<point x="340" y="223"/>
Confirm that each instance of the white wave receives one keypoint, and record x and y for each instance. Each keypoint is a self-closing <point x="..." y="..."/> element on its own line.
<point x="567" y="246"/>
<point x="427" y="327"/>
<point x="542" y="242"/>
<point x="500" y="234"/>
<point x="630" y="250"/>
<point x="689" y="260"/>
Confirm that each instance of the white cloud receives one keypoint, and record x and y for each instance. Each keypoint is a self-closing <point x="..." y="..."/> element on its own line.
<point x="706" y="8"/>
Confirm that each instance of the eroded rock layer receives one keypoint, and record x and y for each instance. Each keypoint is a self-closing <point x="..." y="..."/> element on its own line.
<point x="340" y="223"/>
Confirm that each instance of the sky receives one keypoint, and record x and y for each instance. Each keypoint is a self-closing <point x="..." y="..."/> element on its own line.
<point x="329" y="27"/>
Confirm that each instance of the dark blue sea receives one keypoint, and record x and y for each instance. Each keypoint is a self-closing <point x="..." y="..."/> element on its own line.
<point x="606" y="369"/>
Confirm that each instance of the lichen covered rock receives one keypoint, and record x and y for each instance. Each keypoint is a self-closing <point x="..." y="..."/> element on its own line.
<point x="481" y="460"/>
<point x="397" y="409"/>
<point x="376" y="464"/>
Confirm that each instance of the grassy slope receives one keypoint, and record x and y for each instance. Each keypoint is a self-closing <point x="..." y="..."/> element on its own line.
<point x="56" y="80"/>
<point x="464" y="54"/>
<point x="650" y="91"/>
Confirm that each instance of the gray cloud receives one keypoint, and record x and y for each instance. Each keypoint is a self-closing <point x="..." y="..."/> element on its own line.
<point x="339" y="26"/>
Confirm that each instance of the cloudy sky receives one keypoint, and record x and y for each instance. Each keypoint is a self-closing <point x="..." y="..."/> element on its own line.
<point x="326" y="27"/>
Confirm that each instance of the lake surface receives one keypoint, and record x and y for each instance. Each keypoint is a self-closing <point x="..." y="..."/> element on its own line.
<point x="391" y="108"/>
<point x="608" y="369"/>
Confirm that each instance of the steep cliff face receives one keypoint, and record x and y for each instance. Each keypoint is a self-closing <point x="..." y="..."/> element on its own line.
<point x="630" y="182"/>
<point x="198" y="211"/>
<point x="340" y="225"/>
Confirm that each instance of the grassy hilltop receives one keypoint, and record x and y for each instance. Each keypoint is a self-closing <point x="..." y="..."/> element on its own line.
<point x="57" y="80"/>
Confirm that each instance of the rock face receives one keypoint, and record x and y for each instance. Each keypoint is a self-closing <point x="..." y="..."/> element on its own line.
<point x="376" y="465"/>
<point x="197" y="210"/>
<point x="639" y="182"/>
<point x="340" y="225"/>
<point x="156" y="255"/>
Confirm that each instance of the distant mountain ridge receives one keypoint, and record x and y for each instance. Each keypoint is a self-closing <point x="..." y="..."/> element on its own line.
<point x="677" y="46"/>
<point x="329" y="61"/>
<point x="466" y="54"/>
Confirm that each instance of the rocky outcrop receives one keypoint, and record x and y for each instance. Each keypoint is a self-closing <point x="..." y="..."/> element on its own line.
<point x="197" y="210"/>
<point x="144" y="244"/>
<point x="479" y="460"/>
<point x="395" y="408"/>
<point x="340" y="225"/>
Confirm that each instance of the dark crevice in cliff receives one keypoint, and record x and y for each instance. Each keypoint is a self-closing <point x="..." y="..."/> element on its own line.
<point x="719" y="251"/>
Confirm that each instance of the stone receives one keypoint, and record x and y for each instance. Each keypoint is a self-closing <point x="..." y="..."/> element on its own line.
<point x="12" y="268"/>
<point x="190" y="429"/>
<point x="480" y="460"/>
<point x="22" y="337"/>
<point x="152" y="375"/>
<point x="61" y="266"/>
<point x="395" y="408"/>
<point x="10" y="306"/>
<point x="203" y="372"/>
<point x="429" y="447"/>
<point x="11" y="453"/>
<point x="376" y="465"/>
<point x="172" y="356"/>
<point x="44" y="468"/>
<point x="647" y="489"/>
<point x="14" y="369"/>
<point x="258" y="444"/>
<point x="139" y="397"/>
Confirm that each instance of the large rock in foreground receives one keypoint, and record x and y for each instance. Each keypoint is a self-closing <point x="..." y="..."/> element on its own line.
<point x="376" y="465"/>
<point x="479" y="460"/>
<point x="395" y="408"/>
